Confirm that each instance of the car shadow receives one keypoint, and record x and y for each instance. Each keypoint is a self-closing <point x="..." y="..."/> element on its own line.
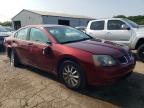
<point x="2" y="51"/>
<point x="128" y="93"/>
<point x="42" y="73"/>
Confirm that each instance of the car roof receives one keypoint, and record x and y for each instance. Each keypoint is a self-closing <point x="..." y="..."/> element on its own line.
<point x="107" y="19"/>
<point x="45" y="25"/>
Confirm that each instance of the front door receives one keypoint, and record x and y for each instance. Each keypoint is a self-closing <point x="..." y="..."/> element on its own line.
<point x="116" y="33"/>
<point x="40" y="41"/>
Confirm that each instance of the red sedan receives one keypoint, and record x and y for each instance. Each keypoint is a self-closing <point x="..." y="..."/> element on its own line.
<point x="75" y="57"/>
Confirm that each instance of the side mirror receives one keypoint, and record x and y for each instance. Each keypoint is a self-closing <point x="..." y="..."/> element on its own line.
<point x="47" y="51"/>
<point x="125" y="27"/>
<point x="48" y="42"/>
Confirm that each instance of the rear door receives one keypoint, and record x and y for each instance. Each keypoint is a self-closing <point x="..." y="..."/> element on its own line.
<point x="40" y="41"/>
<point x="97" y="29"/>
<point x="21" y="44"/>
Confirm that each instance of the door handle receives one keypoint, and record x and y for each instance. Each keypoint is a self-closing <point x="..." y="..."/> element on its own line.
<point x="109" y="34"/>
<point x="30" y="44"/>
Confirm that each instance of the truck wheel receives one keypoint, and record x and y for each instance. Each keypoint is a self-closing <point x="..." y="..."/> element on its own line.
<point x="140" y="52"/>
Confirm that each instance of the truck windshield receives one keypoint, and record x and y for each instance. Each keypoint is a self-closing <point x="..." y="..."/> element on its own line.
<point x="131" y="23"/>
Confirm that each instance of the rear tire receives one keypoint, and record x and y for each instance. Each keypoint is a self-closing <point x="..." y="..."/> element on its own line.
<point x="140" y="53"/>
<point x="72" y="75"/>
<point x="14" y="61"/>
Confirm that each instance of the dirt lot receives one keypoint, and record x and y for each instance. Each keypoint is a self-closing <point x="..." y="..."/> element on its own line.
<point x="31" y="88"/>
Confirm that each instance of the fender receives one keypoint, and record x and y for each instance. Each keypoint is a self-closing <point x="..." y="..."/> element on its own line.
<point x="135" y="40"/>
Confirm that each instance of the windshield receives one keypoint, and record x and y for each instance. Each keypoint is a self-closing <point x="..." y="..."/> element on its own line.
<point x="65" y="34"/>
<point x="2" y="29"/>
<point x="131" y="23"/>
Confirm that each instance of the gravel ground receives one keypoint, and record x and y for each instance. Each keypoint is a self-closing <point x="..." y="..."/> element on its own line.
<point x="26" y="87"/>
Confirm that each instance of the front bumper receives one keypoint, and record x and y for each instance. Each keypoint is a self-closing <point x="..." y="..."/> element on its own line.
<point x="99" y="76"/>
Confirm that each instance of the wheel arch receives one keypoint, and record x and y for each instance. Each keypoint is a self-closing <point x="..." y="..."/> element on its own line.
<point x="139" y="43"/>
<point x="65" y="58"/>
<point x="75" y="60"/>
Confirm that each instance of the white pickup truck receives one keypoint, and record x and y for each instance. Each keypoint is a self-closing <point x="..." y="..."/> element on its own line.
<point x="119" y="30"/>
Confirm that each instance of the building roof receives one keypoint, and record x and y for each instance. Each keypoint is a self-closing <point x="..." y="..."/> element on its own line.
<point x="46" y="13"/>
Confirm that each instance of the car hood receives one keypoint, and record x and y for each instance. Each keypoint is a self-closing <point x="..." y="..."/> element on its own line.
<point x="139" y="30"/>
<point x="100" y="47"/>
<point x="5" y="33"/>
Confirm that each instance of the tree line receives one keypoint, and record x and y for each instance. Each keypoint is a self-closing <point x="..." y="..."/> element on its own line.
<point x="138" y="19"/>
<point x="6" y="23"/>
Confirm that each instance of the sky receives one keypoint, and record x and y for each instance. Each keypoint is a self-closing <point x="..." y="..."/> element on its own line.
<point x="91" y="8"/>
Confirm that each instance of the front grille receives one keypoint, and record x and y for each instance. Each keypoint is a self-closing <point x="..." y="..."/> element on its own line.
<point x="123" y="60"/>
<point x="126" y="58"/>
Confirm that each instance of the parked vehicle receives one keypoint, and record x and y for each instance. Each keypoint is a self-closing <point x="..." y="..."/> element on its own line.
<point x="75" y="57"/>
<point x="119" y="30"/>
<point x="81" y="28"/>
<point x="3" y="33"/>
<point x="9" y="29"/>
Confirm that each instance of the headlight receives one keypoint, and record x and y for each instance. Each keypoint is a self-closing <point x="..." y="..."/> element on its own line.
<point x="103" y="60"/>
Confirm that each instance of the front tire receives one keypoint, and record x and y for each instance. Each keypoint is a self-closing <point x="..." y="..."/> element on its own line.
<point x="140" y="52"/>
<point x="72" y="75"/>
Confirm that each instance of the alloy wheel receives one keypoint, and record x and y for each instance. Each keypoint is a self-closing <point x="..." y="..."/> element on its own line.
<point x="71" y="76"/>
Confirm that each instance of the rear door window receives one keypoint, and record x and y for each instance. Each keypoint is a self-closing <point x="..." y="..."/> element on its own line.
<point x="22" y="34"/>
<point x="97" y="25"/>
<point x="37" y="35"/>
